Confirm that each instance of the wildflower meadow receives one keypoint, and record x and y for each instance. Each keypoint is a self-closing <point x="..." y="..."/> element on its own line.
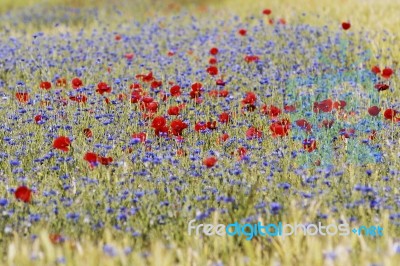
<point x="199" y="132"/>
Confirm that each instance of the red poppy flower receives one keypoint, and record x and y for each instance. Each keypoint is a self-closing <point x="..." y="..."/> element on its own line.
<point x="38" y="118"/>
<point x="76" y="83"/>
<point x="195" y="94"/>
<point x="152" y="107"/>
<point x="251" y="58"/>
<point x="325" y="105"/>
<point x="148" y="103"/>
<point x="346" y="25"/>
<point x="267" y="11"/>
<point x="339" y="105"/>
<point x="374" y="110"/>
<point x="135" y="97"/>
<point x="62" y="143"/>
<point x="212" y="125"/>
<point x="253" y="133"/>
<point x="214" y="51"/>
<point x="280" y="128"/>
<point x="170" y="53"/>
<point x="316" y="107"/>
<point x="242" y="32"/>
<point x="213" y="93"/>
<point x="147" y="99"/>
<point x="177" y="126"/>
<point x="88" y="133"/>
<point x="61" y="82"/>
<point x="175" y="90"/>
<point x="145" y="77"/>
<point x="156" y="84"/>
<point x="224" y="118"/>
<point x="22" y="97"/>
<point x="390" y="114"/>
<point x="212" y="70"/>
<point x="136" y="87"/>
<point x="309" y="145"/>
<point x="45" y="85"/>
<point x="105" y="160"/>
<point x="387" y="73"/>
<point x="23" y="193"/>
<point x="102" y="88"/>
<point x="173" y="110"/>
<point x="196" y="90"/>
<point x="129" y="56"/>
<point x="303" y="124"/>
<point x="381" y="87"/>
<point x="289" y="108"/>
<point x="250" y="98"/>
<point x="200" y="126"/>
<point x="122" y="96"/>
<point x="80" y="98"/>
<point x="220" y="82"/>
<point x="197" y="86"/>
<point x="327" y="123"/>
<point x="212" y="61"/>
<point x="181" y="152"/>
<point x="210" y="161"/>
<point x="162" y="131"/>
<point x="141" y="136"/>
<point x="118" y="37"/>
<point x="56" y="238"/>
<point x="282" y="21"/>
<point x="272" y="111"/>
<point x="158" y="122"/>
<point x="224" y="137"/>
<point x="90" y="157"/>
<point x="376" y="70"/>
<point x="242" y="151"/>
<point x="223" y="93"/>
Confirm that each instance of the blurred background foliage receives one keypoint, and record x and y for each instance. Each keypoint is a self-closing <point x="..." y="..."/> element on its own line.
<point x="379" y="18"/>
<point x="372" y="14"/>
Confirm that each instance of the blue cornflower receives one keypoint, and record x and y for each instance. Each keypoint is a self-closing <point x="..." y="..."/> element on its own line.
<point x="3" y="202"/>
<point x="110" y="250"/>
<point x="275" y="207"/>
<point x="15" y="162"/>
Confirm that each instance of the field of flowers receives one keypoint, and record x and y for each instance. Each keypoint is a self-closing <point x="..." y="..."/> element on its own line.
<point x="123" y="121"/>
